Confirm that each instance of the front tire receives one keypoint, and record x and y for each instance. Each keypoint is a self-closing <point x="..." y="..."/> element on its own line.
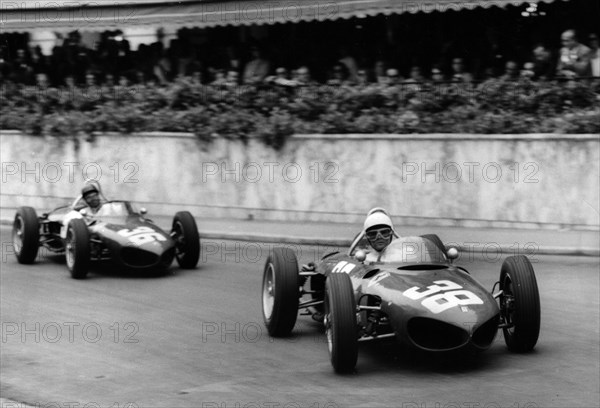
<point x="26" y="235"/>
<point x="519" y="304"/>
<point x="340" y="322"/>
<point x="280" y="292"/>
<point x="187" y="240"/>
<point x="77" y="248"/>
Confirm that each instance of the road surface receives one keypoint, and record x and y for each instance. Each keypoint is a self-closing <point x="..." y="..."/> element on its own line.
<point x="196" y="338"/>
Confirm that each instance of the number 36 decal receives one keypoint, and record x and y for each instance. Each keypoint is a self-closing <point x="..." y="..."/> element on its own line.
<point x="442" y="296"/>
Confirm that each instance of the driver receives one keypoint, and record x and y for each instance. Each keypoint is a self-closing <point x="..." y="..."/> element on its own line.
<point x="379" y="231"/>
<point x="91" y="196"/>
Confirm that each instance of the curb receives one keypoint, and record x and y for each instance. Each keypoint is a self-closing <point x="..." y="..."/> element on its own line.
<point x="343" y="242"/>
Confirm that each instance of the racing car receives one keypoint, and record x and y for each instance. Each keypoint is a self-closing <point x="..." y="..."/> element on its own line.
<point x="116" y="232"/>
<point x="414" y="293"/>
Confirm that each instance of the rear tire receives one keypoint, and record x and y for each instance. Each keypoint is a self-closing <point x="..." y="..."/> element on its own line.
<point x="280" y="292"/>
<point x="187" y="240"/>
<point x="520" y="304"/>
<point x="77" y="248"/>
<point x="26" y="235"/>
<point x="340" y="322"/>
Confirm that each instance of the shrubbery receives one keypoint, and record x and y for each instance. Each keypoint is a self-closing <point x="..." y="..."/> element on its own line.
<point x="272" y="113"/>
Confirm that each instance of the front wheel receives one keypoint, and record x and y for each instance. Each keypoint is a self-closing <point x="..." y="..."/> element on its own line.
<point x="340" y="322"/>
<point x="26" y="235"/>
<point x="280" y="292"/>
<point x="77" y="248"/>
<point x="187" y="240"/>
<point x="519" y="304"/>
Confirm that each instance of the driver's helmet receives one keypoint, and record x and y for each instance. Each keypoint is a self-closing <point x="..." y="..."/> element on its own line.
<point x="91" y="195"/>
<point x="87" y="189"/>
<point x="377" y="216"/>
<point x="377" y="219"/>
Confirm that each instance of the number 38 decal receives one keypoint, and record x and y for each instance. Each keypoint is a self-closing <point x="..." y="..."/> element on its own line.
<point x="442" y="296"/>
<point x="141" y="235"/>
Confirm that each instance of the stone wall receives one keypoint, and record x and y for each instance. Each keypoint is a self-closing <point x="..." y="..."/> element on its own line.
<point x="432" y="179"/>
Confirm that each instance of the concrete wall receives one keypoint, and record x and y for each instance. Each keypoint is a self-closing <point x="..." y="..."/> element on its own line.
<point x="429" y="179"/>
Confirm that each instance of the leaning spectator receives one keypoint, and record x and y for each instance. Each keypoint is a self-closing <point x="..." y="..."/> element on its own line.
<point x="41" y="80"/>
<point x="304" y="78"/>
<point x="574" y="57"/>
<point x="281" y="78"/>
<point x="70" y="82"/>
<point x="109" y="80"/>
<point x="140" y="78"/>
<point x="256" y="69"/>
<point x="528" y="71"/>
<point x="595" y="56"/>
<point x="392" y="77"/>
<point x="415" y="79"/>
<point x="459" y="72"/>
<point x="22" y="69"/>
<point x="437" y="75"/>
<point x="511" y="71"/>
<point x="415" y="76"/>
<point x="349" y="63"/>
<point x="544" y="67"/>
<point x="281" y="73"/>
<point x="362" y="79"/>
<point x="233" y="79"/>
<point x="90" y="79"/>
<point x="338" y="75"/>
<point x="123" y="81"/>
<point x="379" y="70"/>
<point x="39" y="61"/>
<point x="196" y="78"/>
<point x="219" y="75"/>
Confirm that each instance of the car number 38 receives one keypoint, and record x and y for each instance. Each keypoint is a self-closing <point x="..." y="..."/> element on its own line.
<point x="442" y="296"/>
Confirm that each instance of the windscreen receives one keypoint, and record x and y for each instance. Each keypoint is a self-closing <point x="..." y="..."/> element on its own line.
<point x="412" y="250"/>
<point x="114" y="209"/>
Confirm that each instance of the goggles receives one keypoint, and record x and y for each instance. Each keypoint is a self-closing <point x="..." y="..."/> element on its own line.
<point x="385" y="233"/>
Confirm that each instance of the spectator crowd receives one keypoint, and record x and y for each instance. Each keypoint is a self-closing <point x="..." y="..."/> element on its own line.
<point x="112" y="88"/>
<point x="113" y="62"/>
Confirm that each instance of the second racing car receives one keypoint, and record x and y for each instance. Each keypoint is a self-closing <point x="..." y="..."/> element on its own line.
<point x="116" y="231"/>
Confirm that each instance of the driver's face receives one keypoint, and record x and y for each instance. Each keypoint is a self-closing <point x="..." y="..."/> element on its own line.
<point x="92" y="199"/>
<point x="379" y="238"/>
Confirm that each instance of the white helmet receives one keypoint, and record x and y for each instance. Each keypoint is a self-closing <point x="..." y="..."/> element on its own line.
<point x="377" y="216"/>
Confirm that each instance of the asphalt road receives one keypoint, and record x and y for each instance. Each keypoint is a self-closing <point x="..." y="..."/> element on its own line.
<point x="196" y="338"/>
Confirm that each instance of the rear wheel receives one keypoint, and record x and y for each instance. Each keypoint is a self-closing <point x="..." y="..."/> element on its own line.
<point x="26" y="235"/>
<point x="340" y="322"/>
<point x="187" y="240"/>
<point x="77" y="248"/>
<point x="280" y="292"/>
<point x="519" y="304"/>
